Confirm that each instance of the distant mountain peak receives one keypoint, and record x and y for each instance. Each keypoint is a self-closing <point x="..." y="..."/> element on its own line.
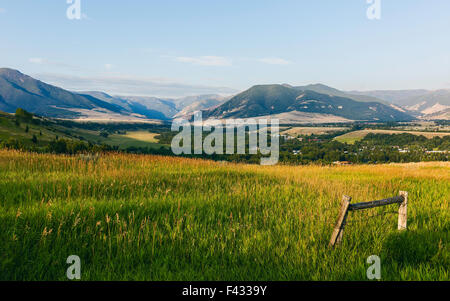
<point x="10" y="71"/>
<point x="12" y="74"/>
<point x="319" y="85"/>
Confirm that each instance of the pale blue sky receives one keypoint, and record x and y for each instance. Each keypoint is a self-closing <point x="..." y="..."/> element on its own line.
<point x="172" y="48"/>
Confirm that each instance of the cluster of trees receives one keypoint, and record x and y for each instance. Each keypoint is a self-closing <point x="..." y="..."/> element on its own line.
<point x="405" y="140"/>
<point x="71" y="147"/>
<point x="58" y="146"/>
<point x="374" y="148"/>
<point x="21" y="114"/>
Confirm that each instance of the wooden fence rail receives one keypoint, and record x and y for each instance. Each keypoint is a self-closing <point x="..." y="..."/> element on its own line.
<point x="346" y="207"/>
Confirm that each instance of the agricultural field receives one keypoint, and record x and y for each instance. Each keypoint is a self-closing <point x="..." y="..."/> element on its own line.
<point x="296" y="131"/>
<point x="354" y="136"/>
<point x="144" y="136"/>
<point x="423" y="126"/>
<point x="133" y="139"/>
<point x="140" y="217"/>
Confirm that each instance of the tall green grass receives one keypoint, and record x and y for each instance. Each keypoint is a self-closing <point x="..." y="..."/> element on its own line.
<point x="155" y="218"/>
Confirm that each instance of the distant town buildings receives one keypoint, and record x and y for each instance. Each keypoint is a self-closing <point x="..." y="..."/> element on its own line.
<point x="342" y="163"/>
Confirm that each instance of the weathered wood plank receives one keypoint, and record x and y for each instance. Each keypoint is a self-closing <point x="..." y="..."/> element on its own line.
<point x="360" y="206"/>
<point x="346" y="207"/>
<point x="338" y="231"/>
<point x="403" y="212"/>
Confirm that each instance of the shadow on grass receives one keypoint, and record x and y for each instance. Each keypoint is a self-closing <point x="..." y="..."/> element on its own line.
<point x="412" y="248"/>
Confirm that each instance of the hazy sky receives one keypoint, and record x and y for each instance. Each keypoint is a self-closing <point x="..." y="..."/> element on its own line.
<point x="173" y="48"/>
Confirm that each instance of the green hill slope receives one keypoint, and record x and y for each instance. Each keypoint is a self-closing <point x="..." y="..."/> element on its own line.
<point x="18" y="90"/>
<point x="38" y="133"/>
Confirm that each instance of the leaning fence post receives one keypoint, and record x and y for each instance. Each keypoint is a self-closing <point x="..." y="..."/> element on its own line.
<point x="338" y="232"/>
<point x="403" y="212"/>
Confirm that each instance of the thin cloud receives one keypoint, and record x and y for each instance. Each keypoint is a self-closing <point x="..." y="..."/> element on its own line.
<point x="36" y="60"/>
<point x="205" y="60"/>
<point x="61" y="65"/>
<point x="274" y="61"/>
<point x="131" y="86"/>
<point x="2" y="10"/>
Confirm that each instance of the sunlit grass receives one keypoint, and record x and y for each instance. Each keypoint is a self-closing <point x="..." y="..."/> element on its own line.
<point x="134" y="139"/>
<point x="144" y="136"/>
<point x="133" y="217"/>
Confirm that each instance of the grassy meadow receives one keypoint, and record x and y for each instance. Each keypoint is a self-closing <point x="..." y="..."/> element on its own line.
<point x="131" y="217"/>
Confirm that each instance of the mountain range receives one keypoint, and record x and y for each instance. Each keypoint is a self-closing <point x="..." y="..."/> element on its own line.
<point x="423" y="104"/>
<point x="18" y="90"/>
<point x="273" y="100"/>
<point x="420" y="103"/>
<point x="296" y="104"/>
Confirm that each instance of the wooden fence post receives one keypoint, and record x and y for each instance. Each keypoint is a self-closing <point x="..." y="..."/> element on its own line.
<point x="346" y="207"/>
<point x="403" y="212"/>
<point x="336" y="237"/>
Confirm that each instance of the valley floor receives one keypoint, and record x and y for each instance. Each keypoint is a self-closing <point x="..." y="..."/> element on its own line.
<point x="131" y="217"/>
<point x="359" y="135"/>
